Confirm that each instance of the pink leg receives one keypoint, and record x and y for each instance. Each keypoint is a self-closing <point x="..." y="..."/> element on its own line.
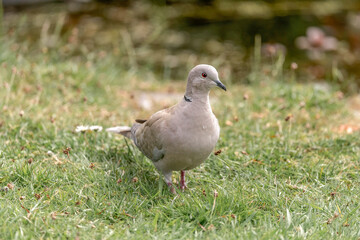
<point x="182" y="181"/>
<point x="169" y="182"/>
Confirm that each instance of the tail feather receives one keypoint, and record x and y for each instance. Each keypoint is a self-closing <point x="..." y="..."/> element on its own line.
<point x="123" y="130"/>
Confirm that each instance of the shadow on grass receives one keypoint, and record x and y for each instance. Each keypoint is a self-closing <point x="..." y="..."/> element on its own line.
<point x="130" y="167"/>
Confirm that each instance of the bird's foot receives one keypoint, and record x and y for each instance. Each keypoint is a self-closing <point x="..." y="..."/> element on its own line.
<point x="183" y="186"/>
<point x="168" y="181"/>
<point x="172" y="189"/>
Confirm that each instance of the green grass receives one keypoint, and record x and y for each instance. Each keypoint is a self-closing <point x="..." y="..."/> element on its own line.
<point x="275" y="179"/>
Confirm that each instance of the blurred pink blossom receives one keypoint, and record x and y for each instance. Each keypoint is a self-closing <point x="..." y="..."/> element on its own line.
<point x="316" y="43"/>
<point x="353" y="20"/>
<point x="273" y="49"/>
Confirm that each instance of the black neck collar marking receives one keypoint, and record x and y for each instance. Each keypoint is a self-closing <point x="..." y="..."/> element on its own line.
<point x="187" y="99"/>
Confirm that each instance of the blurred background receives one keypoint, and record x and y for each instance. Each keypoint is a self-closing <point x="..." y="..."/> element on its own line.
<point x="301" y="40"/>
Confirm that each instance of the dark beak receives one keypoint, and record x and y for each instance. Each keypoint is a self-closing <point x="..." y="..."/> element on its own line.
<point x="220" y="85"/>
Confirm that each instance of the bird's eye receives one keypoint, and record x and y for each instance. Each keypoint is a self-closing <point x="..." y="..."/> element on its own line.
<point x="204" y="75"/>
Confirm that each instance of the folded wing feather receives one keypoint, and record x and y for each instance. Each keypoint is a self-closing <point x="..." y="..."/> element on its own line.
<point x="148" y="136"/>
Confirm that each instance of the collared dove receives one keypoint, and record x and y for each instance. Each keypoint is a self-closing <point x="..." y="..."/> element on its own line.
<point x="183" y="136"/>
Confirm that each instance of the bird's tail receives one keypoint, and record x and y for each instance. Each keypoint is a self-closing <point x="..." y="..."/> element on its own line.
<point x="123" y="130"/>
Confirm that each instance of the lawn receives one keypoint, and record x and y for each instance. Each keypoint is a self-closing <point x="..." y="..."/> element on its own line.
<point x="288" y="166"/>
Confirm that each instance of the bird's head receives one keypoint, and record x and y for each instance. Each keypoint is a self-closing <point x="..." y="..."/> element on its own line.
<point x="203" y="77"/>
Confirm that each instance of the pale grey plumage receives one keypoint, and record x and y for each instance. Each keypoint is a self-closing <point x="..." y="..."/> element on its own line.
<point x="181" y="137"/>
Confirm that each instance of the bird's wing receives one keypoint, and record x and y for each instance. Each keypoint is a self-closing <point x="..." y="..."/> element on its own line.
<point x="149" y="136"/>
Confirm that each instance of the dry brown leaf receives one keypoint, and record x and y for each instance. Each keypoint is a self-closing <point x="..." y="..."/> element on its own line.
<point x="288" y="117"/>
<point x="244" y="152"/>
<point x="216" y="194"/>
<point x="37" y="196"/>
<point x="217" y="152"/>
<point x="336" y="215"/>
<point x="202" y="227"/>
<point x="332" y="194"/>
<point x="228" y="123"/>
<point x="258" y="115"/>
<point x="92" y="165"/>
<point x="53" y="215"/>
<point x="211" y="227"/>
<point x="347" y="128"/>
<point x="126" y="214"/>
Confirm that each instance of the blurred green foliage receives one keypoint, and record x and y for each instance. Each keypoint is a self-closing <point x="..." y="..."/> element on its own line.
<point x="170" y="35"/>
